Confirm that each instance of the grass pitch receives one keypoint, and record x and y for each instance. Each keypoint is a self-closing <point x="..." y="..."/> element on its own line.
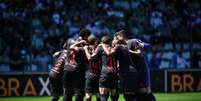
<point x="159" y="97"/>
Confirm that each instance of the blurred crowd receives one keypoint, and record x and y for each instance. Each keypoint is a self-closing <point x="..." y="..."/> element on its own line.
<point x="32" y="30"/>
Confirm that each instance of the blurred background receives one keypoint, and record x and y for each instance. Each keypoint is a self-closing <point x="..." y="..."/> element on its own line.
<point x="32" y="30"/>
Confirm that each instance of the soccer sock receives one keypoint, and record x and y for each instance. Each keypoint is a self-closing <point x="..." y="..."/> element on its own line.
<point x="98" y="97"/>
<point x="67" y="98"/>
<point x="89" y="99"/>
<point x="67" y="95"/>
<point x="114" y="97"/>
<point x="104" y="97"/>
<point x="79" y="97"/>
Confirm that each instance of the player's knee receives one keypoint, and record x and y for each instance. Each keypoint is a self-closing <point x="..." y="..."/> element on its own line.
<point x="103" y="91"/>
<point x="88" y="95"/>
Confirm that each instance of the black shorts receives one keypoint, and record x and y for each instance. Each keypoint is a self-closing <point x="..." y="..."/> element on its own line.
<point x="109" y="80"/>
<point x="68" y="79"/>
<point x="144" y="79"/>
<point x="92" y="84"/>
<point x="79" y="80"/>
<point x="56" y="86"/>
<point x="129" y="82"/>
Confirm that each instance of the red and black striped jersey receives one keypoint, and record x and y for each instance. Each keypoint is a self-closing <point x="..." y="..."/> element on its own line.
<point x="58" y="66"/>
<point x="94" y="65"/>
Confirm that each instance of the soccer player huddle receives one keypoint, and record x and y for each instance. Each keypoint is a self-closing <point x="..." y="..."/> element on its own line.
<point x="88" y="66"/>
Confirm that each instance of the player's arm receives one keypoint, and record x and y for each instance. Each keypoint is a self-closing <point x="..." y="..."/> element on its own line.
<point x="97" y="52"/>
<point x="77" y="45"/>
<point x="59" y="64"/>
<point x="135" y="52"/>
<point x="87" y="52"/>
<point x="58" y="53"/>
<point x="131" y="45"/>
<point x="109" y="51"/>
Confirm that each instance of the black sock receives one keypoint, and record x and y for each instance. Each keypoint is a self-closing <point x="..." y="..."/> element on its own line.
<point x="67" y="96"/>
<point x="98" y="97"/>
<point x="114" y="97"/>
<point x="129" y="97"/>
<point x="79" y="97"/>
<point x="89" y="99"/>
<point x="104" y="97"/>
<point x="79" y="94"/>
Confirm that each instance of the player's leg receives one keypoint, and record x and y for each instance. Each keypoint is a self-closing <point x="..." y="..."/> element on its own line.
<point x="67" y="86"/>
<point x="129" y="85"/>
<point x="145" y="94"/>
<point x="129" y="91"/>
<point x="88" y="89"/>
<point x="104" y="93"/>
<point x="88" y="96"/>
<point x="96" y="89"/>
<point x="79" y="85"/>
<point x="68" y="94"/>
<point x="129" y="96"/>
<point x="54" y="94"/>
<point x="114" y="89"/>
<point x="79" y="94"/>
<point x="105" y="84"/>
<point x="98" y="97"/>
<point x="95" y="86"/>
<point x="55" y="85"/>
<point x="114" y="95"/>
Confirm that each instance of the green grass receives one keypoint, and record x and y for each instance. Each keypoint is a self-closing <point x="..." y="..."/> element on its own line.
<point x="159" y="97"/>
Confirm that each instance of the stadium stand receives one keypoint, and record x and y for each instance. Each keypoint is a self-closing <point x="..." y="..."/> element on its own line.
<point x="32" y="30"/>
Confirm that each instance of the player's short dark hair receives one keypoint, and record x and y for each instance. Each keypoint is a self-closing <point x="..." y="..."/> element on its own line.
<point x="92" y="39"/>
<point x="84" y="32"/>
<point x="68" y="43"/>
<point x="106" y="39"/>
<point x="122" y="32"/>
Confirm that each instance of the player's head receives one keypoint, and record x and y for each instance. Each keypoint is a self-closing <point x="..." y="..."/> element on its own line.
<point x="92" y="40"/>
<point x="121" y="35"/>
<point x="115" y="42"/>
<point x="106" y="39"/>
<point x="68" y="43"/>
<point x="84" y="34"/>
<point x="138" y="44"/>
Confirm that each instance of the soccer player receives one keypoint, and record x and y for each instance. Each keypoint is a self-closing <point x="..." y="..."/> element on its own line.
<point x="69" y="66"/>
<point x="127" y="73"/>
<point x="144" y="83"/>
<point x="79" y="58"/>
<point x="108" y="79"/>
<point x="56" y="73"/>
<point x="134" y="46"/>
<point x="93" y="70"/>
